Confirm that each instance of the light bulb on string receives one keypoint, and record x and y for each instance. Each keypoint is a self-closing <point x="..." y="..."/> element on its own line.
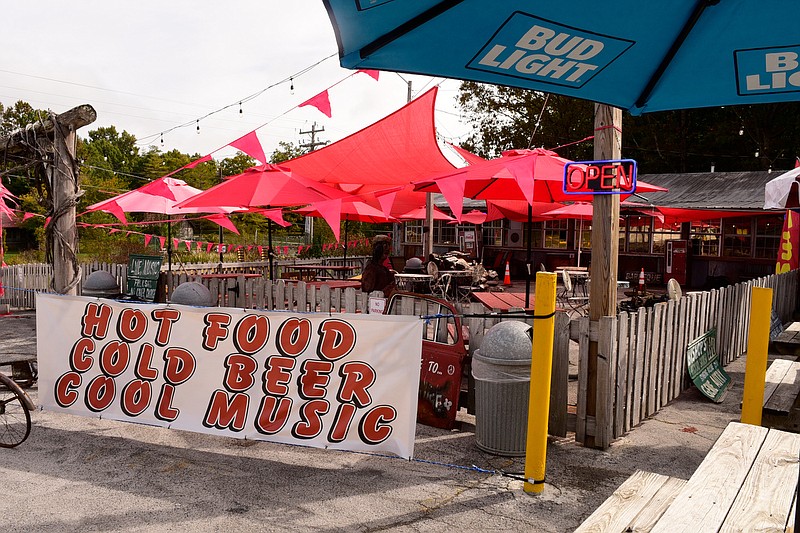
<point x="198" y="126"/>
<point x="741" y="131"/>
<point x="757" y="153"/>
<point x="240" y="109"/>
<point x="162" y="139"/>
<point x="291" y="85"/>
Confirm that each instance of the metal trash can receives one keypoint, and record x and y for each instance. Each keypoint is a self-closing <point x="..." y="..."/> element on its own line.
<point x="502" y="372"/>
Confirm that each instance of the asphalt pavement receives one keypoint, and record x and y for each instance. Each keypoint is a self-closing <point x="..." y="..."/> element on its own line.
<point x="76" y="473"/>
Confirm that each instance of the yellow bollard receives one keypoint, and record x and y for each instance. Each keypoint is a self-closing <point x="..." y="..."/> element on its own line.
<point x="541" y="369"/>
<point x="757" y="347"/>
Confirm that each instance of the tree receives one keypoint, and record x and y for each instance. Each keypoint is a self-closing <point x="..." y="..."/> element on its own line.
<point x="285" y="152"/>
<point x="734" y="138"/>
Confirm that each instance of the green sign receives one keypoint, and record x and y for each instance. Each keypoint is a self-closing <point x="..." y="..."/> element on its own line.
<point x="143" y="272"/>
<point x="704" y="367"/>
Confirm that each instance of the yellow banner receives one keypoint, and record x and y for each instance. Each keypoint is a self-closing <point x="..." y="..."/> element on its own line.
<point x="789" y="250"/>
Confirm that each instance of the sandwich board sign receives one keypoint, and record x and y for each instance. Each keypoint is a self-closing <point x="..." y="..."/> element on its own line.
<point x="704" y="366"/>
<point x="143" y="272"/>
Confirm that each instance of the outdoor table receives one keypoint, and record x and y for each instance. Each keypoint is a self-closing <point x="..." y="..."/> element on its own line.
<point x="457" y="278"/>
<point x="311" y="271"/>
<point x="503" y="301"/>
<point x="413" y="282"/>
<point x="579" y="276"/>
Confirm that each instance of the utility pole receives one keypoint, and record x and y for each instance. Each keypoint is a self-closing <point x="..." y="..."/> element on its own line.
<point x="309" y="228"/>
<point x="314" y="142"/>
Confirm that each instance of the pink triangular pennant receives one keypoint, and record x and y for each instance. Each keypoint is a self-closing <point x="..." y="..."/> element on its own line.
<point x="453" y="191"/>
<point x="224" y="221"/>
<point x="321" y="102"/>
<point x="147" y="239"/>
<point x="260" y="250"/>
<point x="26" y="216"/>
<point x="163" y="241"/>
<point x="285" y="250"/>
<point x="387" y="201"/>
<point x="331" y="211"/>
<point x="249" y="247"/>
<point x="300" y="249"/>
<point x="199" y="245"/>
<point x="188" y="245"/>
<point x="250" y="145"/>
<point x="374" y="74"/>
<point x="209" y="246"/>
<point x="175" y="243"/>
<point x="113" y="231"/>
<point x="276" y="215"/>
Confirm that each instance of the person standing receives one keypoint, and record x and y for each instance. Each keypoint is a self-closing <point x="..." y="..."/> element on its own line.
<point x="377" y="276"/>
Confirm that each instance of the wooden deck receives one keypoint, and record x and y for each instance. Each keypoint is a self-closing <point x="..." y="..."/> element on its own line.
<point x="747" y="482"/>
<point x="502" y="302"/>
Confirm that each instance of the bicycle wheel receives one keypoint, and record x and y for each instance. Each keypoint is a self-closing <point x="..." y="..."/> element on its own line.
<point x="15" y="418"/>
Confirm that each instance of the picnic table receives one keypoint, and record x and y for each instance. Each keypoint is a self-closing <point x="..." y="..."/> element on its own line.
<point x="746" y="482"/>
<point x="502" y="302"/>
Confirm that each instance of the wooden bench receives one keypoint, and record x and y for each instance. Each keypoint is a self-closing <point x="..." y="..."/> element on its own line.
<point x="746" y="482"/>
<point x="635" y="505"/>
<point x="781" y="389"/>
<point x="788" y="341"/>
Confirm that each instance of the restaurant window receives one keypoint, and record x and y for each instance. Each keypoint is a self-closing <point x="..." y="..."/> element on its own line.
<point x="413" y="232"/>
<point x="583" y="234"/>
<point x="555" y="234"/>
<point x="663" y="232"/>
<point x="638" y="234"/>
<point x="536" y="235"/>
<point x="705" y="237"/>
<point x="493" y="233"/>
<point x="768" y="236"/>
<point x="444" y="233"/>
<point x="737" y="237"/>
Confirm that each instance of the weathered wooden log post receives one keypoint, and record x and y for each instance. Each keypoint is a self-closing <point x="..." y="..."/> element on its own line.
<point x="52" y="140"/>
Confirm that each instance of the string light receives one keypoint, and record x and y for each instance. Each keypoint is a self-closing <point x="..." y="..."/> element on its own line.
<point x="198" y="126"/>
<point x="291" y="85"/>
<point x="757" y="153"/>
<point x="162" y="139"/>
<point x="741" y="131"/>
<point x="240" y="109"/>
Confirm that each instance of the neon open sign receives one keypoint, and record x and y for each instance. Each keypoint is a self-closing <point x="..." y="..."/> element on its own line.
<point x="616" y="176"/>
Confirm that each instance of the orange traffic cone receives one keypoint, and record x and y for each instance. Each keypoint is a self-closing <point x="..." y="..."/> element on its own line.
<point x="507" y="278"/>
<point x="641" y="281"/>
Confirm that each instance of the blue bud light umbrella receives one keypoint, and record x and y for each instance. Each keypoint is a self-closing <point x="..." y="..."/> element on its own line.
<point x="638" y="56"/>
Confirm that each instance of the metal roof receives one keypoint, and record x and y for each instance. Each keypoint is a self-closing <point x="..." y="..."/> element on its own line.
<point x="710" y="190"/>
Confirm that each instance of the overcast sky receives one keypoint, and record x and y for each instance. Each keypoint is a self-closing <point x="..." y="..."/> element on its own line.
<point x="149" y="66"/>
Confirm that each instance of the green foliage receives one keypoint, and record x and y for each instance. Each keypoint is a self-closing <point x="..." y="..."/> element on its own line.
<point x="285" y="152"/>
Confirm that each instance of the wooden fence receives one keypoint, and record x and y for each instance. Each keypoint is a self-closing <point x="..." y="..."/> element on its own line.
<point x="641" y="363"/>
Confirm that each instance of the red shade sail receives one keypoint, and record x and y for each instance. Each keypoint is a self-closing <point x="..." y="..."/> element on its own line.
<point x="420" y="213"/>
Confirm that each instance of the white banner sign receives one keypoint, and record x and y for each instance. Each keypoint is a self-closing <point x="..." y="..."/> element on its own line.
<point x="340" y="381"/>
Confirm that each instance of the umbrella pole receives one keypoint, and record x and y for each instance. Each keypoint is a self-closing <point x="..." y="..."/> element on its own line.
<point x="345" y="243"/>
<point x="269" y="250"/>
<point x="580" y="241"/>
<point x="528" y="258"/>
<point x="169" y="243"/>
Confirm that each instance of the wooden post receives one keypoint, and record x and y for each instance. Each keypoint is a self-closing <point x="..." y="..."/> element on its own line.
<point x="605" y="244"/>
<point x="53" y="140"/>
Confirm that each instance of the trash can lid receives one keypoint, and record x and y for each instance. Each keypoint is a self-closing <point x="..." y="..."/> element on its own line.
<point x="507" y="341"/>
<point x="191" y="293"/>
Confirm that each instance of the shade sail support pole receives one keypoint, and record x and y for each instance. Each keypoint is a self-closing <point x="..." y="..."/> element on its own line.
<point x="528" y="259"/>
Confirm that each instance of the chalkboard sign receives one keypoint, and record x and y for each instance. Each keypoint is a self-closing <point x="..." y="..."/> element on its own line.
<point x="143" y="272"/>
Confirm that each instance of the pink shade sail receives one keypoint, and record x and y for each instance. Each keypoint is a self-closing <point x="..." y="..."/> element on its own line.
<point x="517" y="210"/>
<point x="194" y="163"/>
<point x="352" y="211"/>
<point x="472" y="217"/>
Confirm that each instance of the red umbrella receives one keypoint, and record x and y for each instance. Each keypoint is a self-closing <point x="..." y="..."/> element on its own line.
<point x="530" y="175"/>
<point x="420" y="213"/>
<point x="270" y="186"/>
<point x="162" y="196"/>
<point x="472" y="217"/>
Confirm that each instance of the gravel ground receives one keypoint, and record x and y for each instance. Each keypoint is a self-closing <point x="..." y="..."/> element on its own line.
<point x="77" y="473"/>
